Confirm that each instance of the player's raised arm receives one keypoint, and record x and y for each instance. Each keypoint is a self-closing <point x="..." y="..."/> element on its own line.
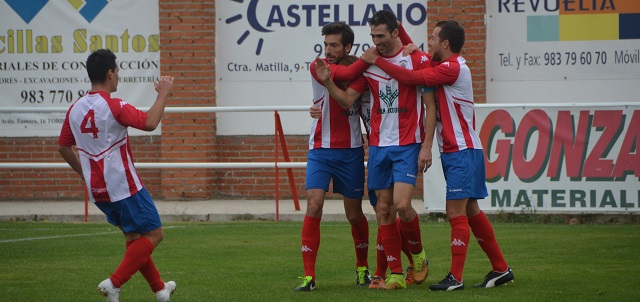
<point x="403" y="35"/>
<point x="344" y="98"/>
<point x="154" y="115"/>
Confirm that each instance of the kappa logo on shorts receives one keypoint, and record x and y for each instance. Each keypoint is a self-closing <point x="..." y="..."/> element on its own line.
<point x="26" y="9"/>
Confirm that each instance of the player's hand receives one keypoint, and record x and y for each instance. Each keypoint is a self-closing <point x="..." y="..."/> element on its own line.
<point x="322" y="70"/>
<point x="315" y="112"/>
<point x="424" y="159"/>
<point x="370" y="55"/>
<point x="164" y="85"/>
<point x="409" y="49"/>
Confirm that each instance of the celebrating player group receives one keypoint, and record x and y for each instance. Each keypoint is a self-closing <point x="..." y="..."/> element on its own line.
<point x="404" y="98"/>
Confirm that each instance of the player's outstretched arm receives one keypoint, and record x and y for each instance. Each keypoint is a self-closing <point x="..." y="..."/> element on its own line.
<point x="154" y="115"/>
<point x="349" y="73"/>
<point x="344" y="98"/>
<point x="402" y="75"/>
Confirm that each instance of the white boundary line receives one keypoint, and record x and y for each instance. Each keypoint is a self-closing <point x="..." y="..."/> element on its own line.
<point x="69" y="236"/>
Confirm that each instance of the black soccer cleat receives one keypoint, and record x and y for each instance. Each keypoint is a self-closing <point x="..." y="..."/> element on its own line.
<point x="449" y="283"/>
<point x="493" y="279"/>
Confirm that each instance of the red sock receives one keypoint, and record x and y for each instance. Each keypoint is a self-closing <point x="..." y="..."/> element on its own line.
<point x="392" y="246"/>
<point x="135" y="257"/>
<point x="360" y="235"/>
<point x="150" y="273"/>
<point x="411" y="231"/>
<point x="381" y="258"/>
<point x="405" y="244"/>
<point x="459" y="245"/>
<point x="483" y="231"/>
<point x="310" y="244"/>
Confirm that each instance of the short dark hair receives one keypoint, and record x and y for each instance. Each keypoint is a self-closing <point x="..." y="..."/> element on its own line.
<point x="345" y="31"/>
<point x="452" y="31"/>
<point x="99" y="63"/>
<point x="384" y="17"/>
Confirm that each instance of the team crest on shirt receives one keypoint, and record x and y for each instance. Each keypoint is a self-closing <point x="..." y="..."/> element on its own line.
<point x="122" y="104"/>
<point x="403" y="63"/>
<point x="388" y="96"/>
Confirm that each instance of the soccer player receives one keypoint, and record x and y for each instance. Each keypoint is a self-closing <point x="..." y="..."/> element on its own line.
<point x="399" y="144"/>
<point x="460" y="149"/>
<point x="335" y="153"/>
<point x="97" y="125"/>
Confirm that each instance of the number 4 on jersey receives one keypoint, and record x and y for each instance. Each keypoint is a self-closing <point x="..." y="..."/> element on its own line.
<point x="89" y="124"/>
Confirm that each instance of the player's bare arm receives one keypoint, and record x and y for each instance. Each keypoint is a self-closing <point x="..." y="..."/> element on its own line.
<point x="154" y="115"/>
<point x="344" y="98"/>
<point x="425" y="157"/>
<point x="72" y="158"/>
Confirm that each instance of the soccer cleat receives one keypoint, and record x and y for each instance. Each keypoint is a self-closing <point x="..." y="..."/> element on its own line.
<point x="164" y="295"/>
<point x="362" y="276"/>
<point x="449" y="283"/>
<point x="106" y="289"/>
<point x="421" y="267"/>
<point x="376" y="282"/>
<point x="493" y="279"/>
<point x="307" y="285"/>
<point x="409" y="277"/>
<point x="394" y="281"/>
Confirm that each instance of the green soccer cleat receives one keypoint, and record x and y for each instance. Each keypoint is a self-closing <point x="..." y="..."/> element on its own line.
<point x="307" y="285"/>
<point x="362" y="276"/>
<point x="394" y="281"/>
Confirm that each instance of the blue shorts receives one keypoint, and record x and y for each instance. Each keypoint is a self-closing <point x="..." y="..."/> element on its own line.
<point x="135" y="214"/>
<point x="392" y="164"/>
<point x="464" y="174"/>
<point x="344" y="165"/>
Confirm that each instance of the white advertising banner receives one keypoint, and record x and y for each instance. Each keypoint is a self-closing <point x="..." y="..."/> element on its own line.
<point x="264" y="48"/>
<point x="44" y="46"/>
<point x="555" y="158"/>
<point x="562" y="51"/>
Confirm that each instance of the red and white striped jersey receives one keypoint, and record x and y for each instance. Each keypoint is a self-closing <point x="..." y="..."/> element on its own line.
<point x="454" y="95"/>
<point x="97" y="125"/>
<point x="337" y="127"/>
<point x="397" y="114"/>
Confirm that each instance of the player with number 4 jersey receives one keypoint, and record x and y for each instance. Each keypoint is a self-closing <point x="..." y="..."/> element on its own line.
<point x="97" y="125"/>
